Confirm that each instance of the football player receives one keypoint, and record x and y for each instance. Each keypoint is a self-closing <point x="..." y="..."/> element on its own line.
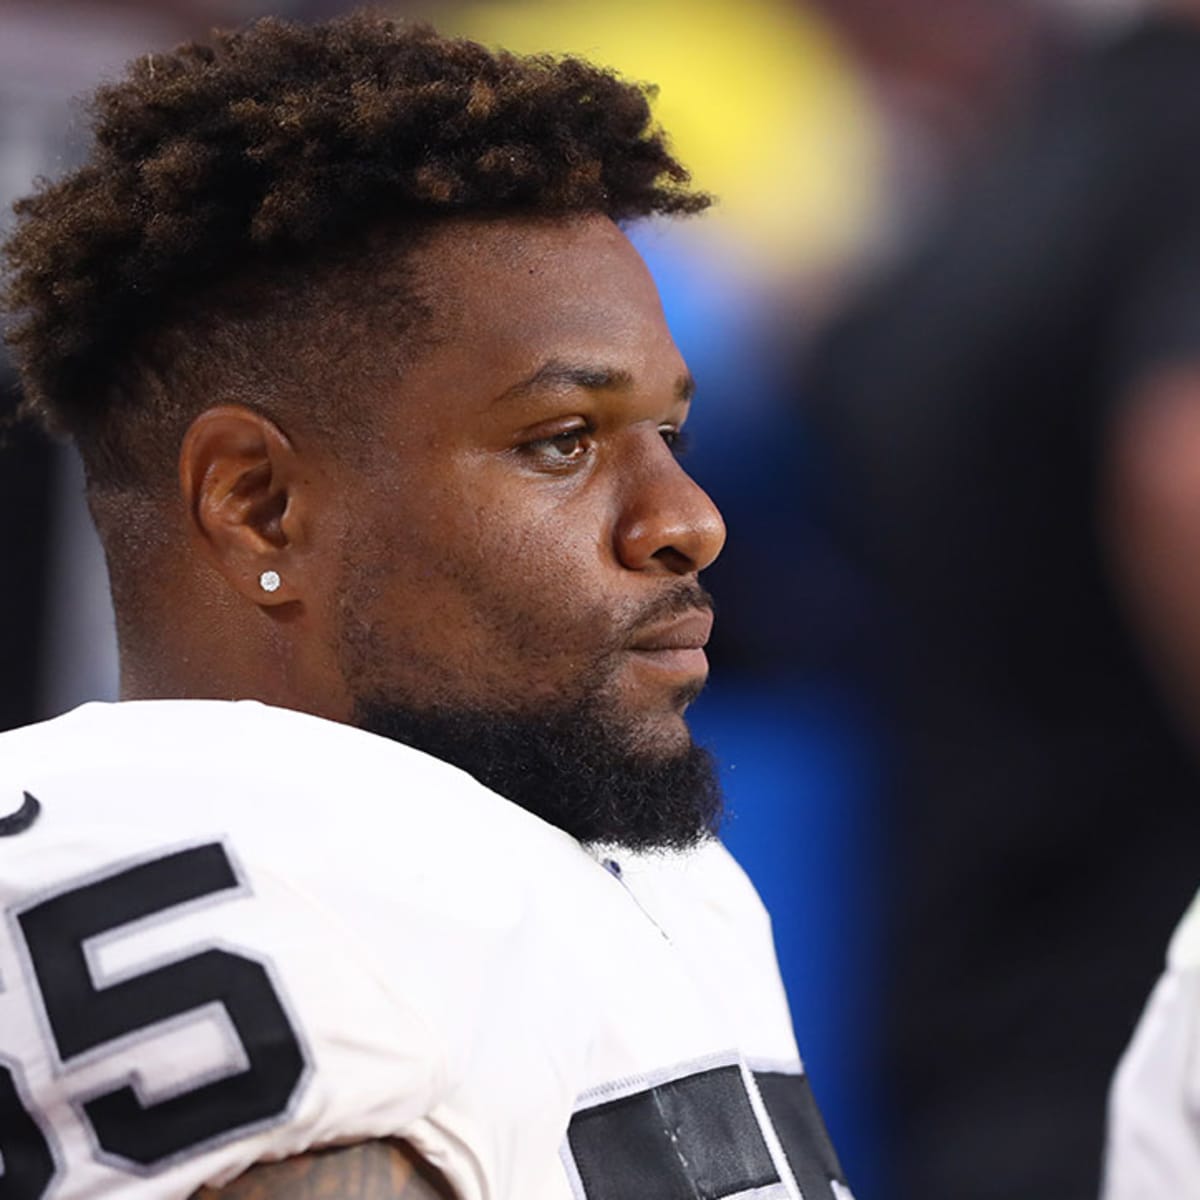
<point x="393" y="874"/>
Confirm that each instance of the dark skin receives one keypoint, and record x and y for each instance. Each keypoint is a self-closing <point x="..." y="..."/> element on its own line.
<point x="370" y="1170"/>
<point x="518" y="511"/>
<point x="514" y="524"/>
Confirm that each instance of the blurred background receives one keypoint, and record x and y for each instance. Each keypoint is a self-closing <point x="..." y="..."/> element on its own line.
<point x="957" y="252"/>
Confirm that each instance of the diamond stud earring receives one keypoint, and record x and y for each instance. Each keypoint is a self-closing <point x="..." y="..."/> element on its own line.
<point x="269" y="581"/>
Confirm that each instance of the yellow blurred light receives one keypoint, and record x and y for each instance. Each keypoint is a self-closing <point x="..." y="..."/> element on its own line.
<point x="760" y="102"/>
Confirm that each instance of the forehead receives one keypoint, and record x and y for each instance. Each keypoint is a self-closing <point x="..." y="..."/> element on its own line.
<point x="513" y="293"/>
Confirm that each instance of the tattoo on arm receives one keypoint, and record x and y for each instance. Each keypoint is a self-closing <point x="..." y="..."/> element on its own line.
<point x="366" y="1171"/>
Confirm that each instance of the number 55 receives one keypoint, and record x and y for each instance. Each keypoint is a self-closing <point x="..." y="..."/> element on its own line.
<point x="83" y="1017"/>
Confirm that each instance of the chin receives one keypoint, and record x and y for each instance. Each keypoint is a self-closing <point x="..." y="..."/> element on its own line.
<point x="591" y="769"/>
<point x="663" y="737"/>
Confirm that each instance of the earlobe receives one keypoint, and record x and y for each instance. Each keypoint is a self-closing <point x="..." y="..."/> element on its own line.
<point x="237" y="473"/>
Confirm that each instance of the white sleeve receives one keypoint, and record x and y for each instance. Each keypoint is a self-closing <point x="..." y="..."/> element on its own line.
<point x="182" y="1046"/>
<point x="1153" y="1150"/>
<point x="236" y="933"/>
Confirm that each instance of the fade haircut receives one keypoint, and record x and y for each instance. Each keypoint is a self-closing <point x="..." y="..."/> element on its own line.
<point x="236" y="228"/>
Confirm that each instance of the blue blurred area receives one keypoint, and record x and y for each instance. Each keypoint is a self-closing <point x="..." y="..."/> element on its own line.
<point x="789" y="603"/>
<point x="800" y="771"/>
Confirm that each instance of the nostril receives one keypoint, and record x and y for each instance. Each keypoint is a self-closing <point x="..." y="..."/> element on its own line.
<point x="675" y="560"/>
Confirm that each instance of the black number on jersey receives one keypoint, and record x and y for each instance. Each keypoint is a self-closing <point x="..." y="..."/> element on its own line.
<point x="698" y="1135"/>
<point x="84" y="1017"/>
<point x="28" y="1164"/>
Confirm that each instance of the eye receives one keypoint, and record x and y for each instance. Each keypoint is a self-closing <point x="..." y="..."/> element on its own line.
<point x="560" y="450"/>
<point x="677" y="440"/>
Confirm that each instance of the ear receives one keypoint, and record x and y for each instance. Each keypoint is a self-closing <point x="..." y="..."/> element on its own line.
<point x="244" y="502"/>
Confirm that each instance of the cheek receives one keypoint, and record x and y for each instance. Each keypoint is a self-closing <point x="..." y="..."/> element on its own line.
<point x="537" y="575"/>
<point x="501" y="589"/>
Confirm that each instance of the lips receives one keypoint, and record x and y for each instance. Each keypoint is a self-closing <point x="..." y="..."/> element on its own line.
<point x="687" y="632"/>
<point x="672" y="653"/>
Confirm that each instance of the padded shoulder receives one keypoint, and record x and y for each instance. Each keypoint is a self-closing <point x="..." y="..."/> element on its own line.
<point x="379" y="898"/>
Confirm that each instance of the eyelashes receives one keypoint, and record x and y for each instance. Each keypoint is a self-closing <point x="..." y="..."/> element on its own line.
<point x="678" y="441"/>
<point x="560" y="451"/>
<point x="572" y="447"/>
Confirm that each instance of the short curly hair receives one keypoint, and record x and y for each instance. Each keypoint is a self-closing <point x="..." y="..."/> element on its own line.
<point x="223" y="207"/>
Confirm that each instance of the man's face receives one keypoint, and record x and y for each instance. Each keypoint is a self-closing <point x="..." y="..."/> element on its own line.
<point x="525" y="546"/>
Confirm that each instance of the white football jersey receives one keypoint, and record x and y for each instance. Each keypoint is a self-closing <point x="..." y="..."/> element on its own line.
<point x="1153" y="1150"/>
<point x="234" y="933"/>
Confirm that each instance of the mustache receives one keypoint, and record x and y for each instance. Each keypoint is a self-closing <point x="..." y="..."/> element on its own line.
<point x="680" y="600"/>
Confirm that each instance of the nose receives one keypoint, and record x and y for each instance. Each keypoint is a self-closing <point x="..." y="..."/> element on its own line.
<point x="667" y="520"/>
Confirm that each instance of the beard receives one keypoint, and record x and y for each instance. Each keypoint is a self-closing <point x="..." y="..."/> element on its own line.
<point x="571" y="765"/>
<point x="571" y="759"/>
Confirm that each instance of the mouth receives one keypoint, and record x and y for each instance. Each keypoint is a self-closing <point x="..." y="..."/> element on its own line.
<point x="676" y="647"/>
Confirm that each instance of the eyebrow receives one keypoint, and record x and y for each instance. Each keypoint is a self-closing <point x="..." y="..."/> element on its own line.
<point x="591" y="377"/>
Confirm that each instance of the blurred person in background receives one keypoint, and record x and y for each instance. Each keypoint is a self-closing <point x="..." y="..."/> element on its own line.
<point x="1013" y="458"/>
<point x="1153" y="520"/>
